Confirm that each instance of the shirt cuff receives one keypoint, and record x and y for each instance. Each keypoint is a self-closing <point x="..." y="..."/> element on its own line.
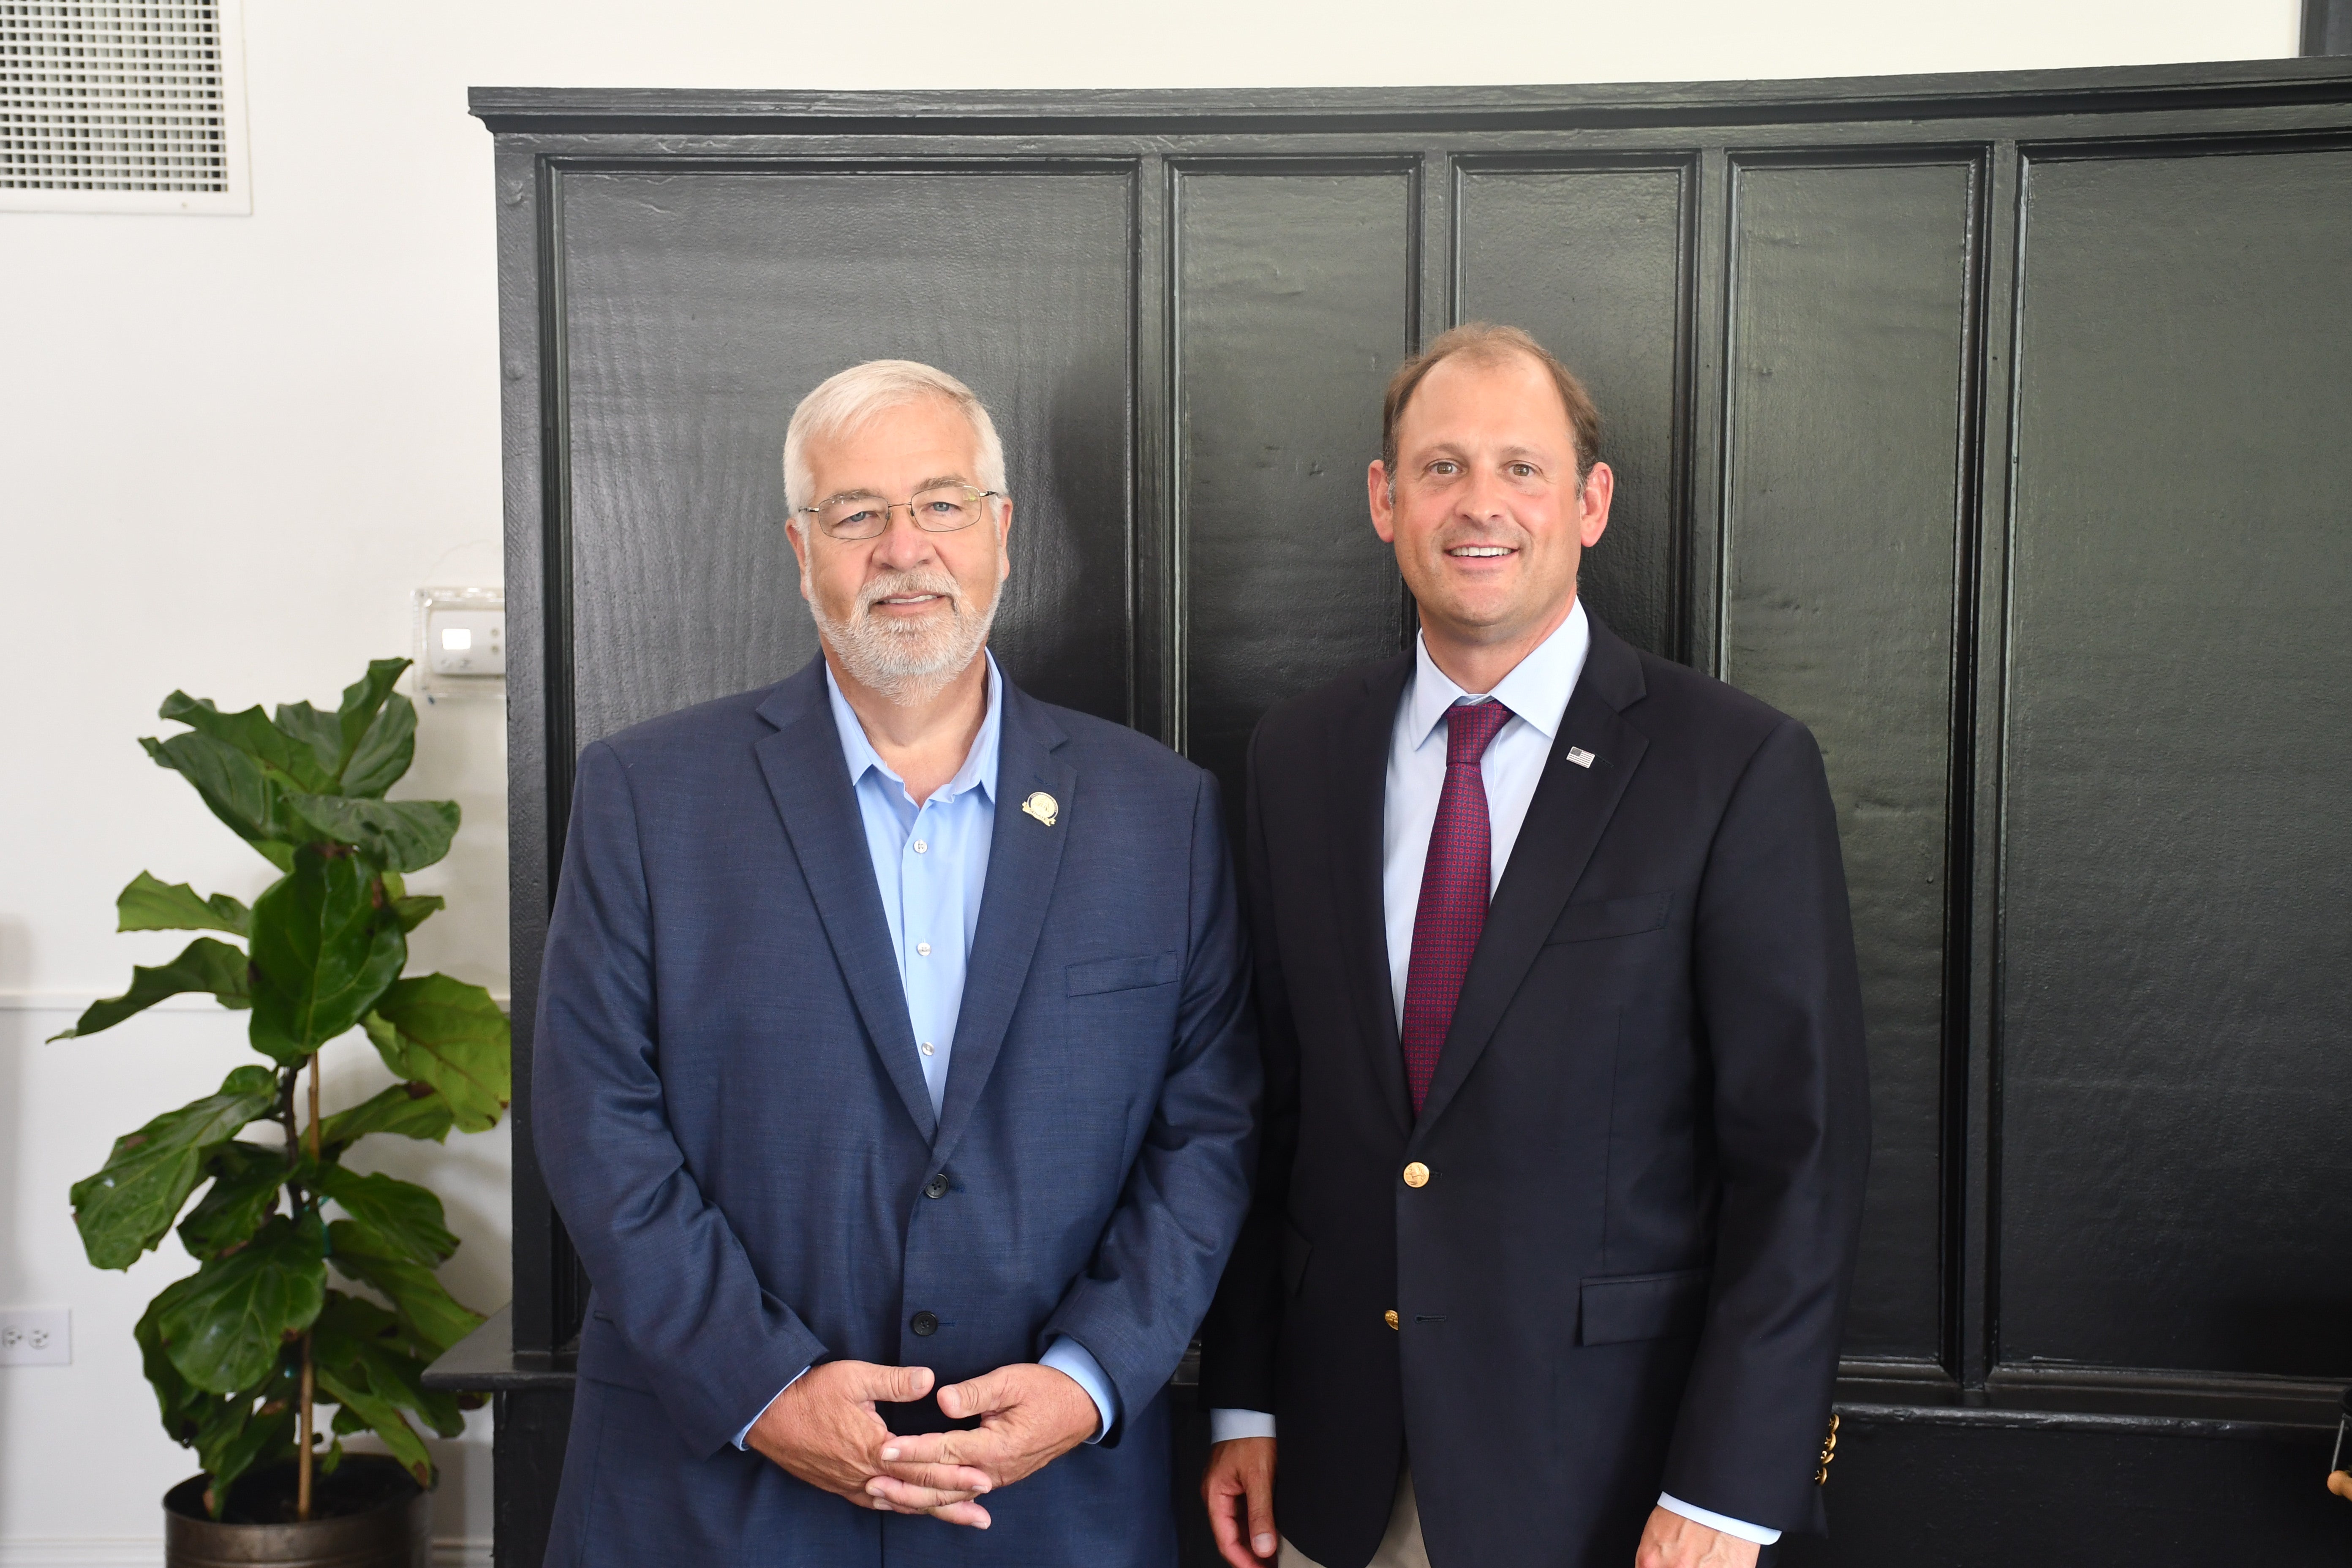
<point x="1066" y="1355"/>
<point x="1225" y="1425"/>
<point x="1723" y="1522"/>
<point x="764" y="1409"/>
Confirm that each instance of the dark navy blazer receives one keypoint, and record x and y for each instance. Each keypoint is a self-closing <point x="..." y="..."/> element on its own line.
<point x="732" y="1118"/>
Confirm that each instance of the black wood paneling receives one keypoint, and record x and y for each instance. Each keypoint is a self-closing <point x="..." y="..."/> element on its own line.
<point x="702" y="307"/>
<point x="2175" y="1180"/>
<point x="1593" y="262"/>
<point x="1843" y="528"/>
<point x="1913" y="1495"/>
<point x="1994" y="426"/>
<point x="1294" y="301"/>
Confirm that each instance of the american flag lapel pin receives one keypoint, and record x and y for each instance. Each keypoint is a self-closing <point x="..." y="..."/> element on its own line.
<point x="1580" y="756"/>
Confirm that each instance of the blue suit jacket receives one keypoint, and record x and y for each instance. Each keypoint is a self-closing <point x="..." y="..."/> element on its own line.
<point x="731" y="1118"/>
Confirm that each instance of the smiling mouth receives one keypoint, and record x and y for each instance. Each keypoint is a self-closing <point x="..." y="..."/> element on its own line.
<point x="1479" y="551"/>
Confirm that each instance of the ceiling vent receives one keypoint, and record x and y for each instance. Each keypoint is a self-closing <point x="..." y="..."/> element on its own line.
<point x="132" y="106"/>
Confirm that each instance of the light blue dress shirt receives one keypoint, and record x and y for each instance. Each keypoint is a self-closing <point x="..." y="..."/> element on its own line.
<point x="930" y="865"/>
<point x="1536" y="691"/>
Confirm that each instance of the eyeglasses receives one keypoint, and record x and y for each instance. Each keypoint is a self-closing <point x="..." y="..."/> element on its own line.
<point x="942" y="508"/>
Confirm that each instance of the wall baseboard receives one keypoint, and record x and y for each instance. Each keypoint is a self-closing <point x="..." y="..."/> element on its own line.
<point x="148" y="1554"/>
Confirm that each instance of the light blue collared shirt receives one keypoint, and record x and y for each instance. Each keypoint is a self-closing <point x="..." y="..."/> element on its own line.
<point x="930" y="866"/>
<point x="1536" y="691"/>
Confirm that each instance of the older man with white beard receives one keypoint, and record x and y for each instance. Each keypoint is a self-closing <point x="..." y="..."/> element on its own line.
<point x="892" y="1038"/>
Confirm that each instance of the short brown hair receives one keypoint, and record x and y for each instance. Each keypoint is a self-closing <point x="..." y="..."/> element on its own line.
<point x="1488" y="342"/>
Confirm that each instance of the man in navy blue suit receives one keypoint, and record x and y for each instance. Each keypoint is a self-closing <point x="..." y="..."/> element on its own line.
<point x="894" y="1072"/>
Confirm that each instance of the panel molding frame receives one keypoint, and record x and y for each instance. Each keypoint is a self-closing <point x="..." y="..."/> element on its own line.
<point x="1440" y="135"/>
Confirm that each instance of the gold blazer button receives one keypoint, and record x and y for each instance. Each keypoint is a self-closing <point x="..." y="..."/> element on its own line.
<point x="1416" y="1175"/>
<point x="1391" y="1318"/>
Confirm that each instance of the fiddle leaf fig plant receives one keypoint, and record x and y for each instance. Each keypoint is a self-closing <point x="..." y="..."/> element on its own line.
<point x="242" y="1352"/>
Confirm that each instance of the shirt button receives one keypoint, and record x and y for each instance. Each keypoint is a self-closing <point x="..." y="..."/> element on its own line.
<point x="923" y="948"/>
<point x="925" y="1047"/>
<point x="1416" y="1175"/>
<point x="937" y="1187"/>
<point x="920" y="846"/>
<point x="925" y="1324"/>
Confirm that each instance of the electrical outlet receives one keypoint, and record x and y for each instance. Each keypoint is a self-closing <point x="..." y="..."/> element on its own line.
<point x="35" y="1336"/>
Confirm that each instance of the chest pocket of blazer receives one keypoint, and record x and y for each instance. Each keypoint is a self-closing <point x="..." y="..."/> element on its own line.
<point x="1628" y="916"/>
<point x="1097" y="976"/>
<point x="1614" y="1310"/>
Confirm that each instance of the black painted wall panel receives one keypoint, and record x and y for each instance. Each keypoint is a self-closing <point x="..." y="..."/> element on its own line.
<point x="1590" y="261"/>
<point x="1294" y="301"/>
<point x="2158" y="775"/>
<point x="1843" y="521"/>
<point x="2175" y="1176"/>
<point x="701" y="307"/>
<point x="1906" y="1495"/>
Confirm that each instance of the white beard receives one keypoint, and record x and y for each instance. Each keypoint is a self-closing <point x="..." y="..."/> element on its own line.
<point x="910" y="662"/>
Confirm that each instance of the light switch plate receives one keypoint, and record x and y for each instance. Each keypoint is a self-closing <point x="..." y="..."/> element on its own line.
<point x="35" y="1336"/>
<point x="461" y="643"/>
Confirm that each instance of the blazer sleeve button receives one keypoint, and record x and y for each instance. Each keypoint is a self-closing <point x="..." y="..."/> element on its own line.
<point x="925" y="1324"/>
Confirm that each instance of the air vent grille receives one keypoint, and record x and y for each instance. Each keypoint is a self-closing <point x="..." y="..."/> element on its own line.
<point x="120" y="104"/>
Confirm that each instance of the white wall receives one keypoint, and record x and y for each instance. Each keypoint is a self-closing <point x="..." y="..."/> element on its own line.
<point x="229" y="447"/>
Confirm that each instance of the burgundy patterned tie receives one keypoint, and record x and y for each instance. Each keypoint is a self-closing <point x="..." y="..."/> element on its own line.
<point x="1453" y="888"/>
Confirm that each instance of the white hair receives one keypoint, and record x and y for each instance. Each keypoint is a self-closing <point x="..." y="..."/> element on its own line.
<point x="847" y="400"/>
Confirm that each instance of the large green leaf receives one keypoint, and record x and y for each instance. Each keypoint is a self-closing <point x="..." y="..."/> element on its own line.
<point x="249" y="1427"/>
<point x="246" y="1179"/>
<point x="235" y="787"/>
<point x="402" y="1213"/>
<point x="385" y="749"/>
<point x="149" y="904"/>
<point x="367" y="1364"/>
<point x="221" y="1326"/>
<point x="426" y="1310"/>
<point x="241" y="1438"/>
<point x="184" y="1407"/>
<point x="204" y="964"/>
<point x="398" y="835"/>
<point x="125" y="1209"/>
<point x="323" y="952"/>
<point x="410" y="1110"/>
<point x="288" y="759"/>
<point x="340" y="738"/>
<point x="413" y="912"/>
<point x="381" y="1417"/>
<point x="450" y="1035"/>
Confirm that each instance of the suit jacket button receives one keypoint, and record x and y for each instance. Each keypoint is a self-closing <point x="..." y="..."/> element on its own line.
<point x="937" y="1187"/>
<point x="926" y="1324"/>
<point x="1390" y="1317"/>
<point x="1416" y="1175"/>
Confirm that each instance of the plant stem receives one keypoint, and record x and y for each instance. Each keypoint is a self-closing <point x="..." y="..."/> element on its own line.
<point x="302" y="1459"/>
<point x="302" y="1456"/>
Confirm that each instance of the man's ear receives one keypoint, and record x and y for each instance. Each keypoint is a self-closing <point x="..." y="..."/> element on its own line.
<point x="792" y="527"/>
<point x="1600" y="489"/>
<point x="1003" y="536"/>
<point x="1381" y="495"/>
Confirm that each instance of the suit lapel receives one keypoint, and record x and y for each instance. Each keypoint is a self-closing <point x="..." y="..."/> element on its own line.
<point x="810" y="782"/>
<point x="1358" y="794"/>
<point x="1024" y="856"/>
<point x="1570" y="811"/>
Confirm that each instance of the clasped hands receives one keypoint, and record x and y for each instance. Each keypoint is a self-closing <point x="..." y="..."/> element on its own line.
<point x="825" y="1430"/>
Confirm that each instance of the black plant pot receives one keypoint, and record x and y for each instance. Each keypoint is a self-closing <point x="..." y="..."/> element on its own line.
<point x="369" y="1514"/>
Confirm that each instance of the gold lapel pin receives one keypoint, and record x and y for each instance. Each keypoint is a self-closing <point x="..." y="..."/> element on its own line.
<point x="1042" y="806"/>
